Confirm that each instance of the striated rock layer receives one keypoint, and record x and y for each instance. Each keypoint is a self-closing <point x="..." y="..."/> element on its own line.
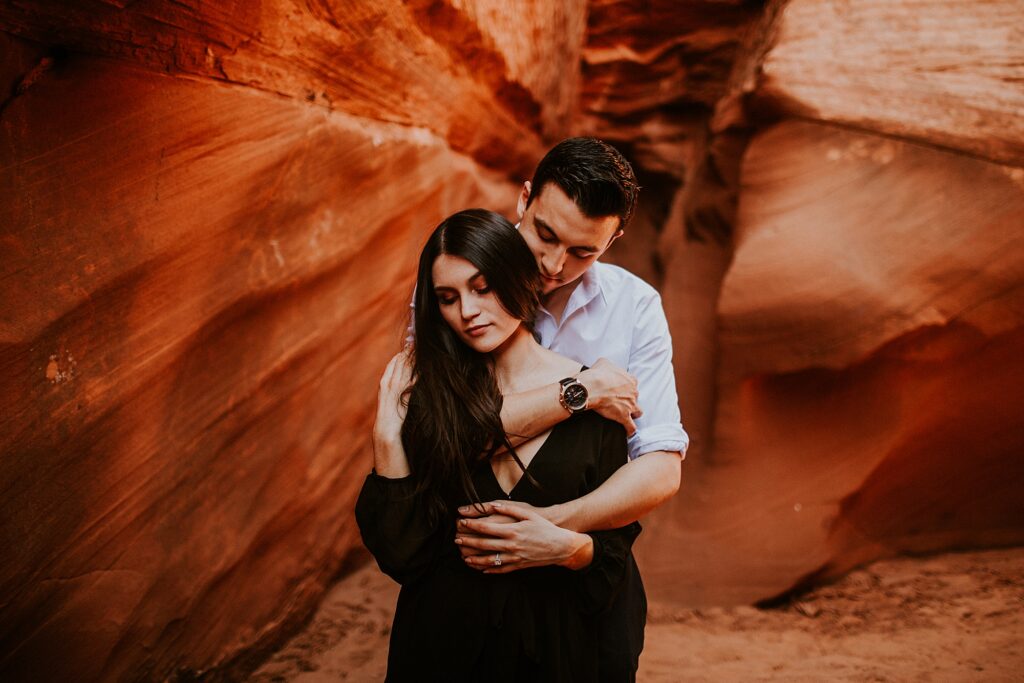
<point x="869" y="380"/>
<point x="209" y="223"/>
<point x="942" y="72"/>
<point x="209" y="216"/>
<point x="852" y="390"/>
<point x="478" y="74"/>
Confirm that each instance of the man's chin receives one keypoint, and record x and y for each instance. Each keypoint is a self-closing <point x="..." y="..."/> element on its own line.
<point x="549" y="285"/>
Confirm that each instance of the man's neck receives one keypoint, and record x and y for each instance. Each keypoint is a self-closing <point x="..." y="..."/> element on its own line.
<point x="556" y="300"/>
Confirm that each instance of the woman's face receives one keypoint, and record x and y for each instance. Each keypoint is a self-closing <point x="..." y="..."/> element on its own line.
<point x="469" y="306"/>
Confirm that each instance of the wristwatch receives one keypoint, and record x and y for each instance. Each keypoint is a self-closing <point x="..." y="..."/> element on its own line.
<point x="572" y="395"/>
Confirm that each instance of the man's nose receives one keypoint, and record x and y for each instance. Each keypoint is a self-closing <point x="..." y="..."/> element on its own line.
<point x="553" y="261"/>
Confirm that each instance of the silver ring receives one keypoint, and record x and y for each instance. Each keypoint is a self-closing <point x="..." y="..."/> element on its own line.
<point x="497" y="559"/>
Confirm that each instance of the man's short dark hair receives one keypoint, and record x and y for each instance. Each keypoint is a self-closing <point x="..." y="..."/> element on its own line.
<point x="593" y="174"/>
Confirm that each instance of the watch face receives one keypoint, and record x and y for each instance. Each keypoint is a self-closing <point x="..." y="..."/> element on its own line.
<point x="575" y="396"/>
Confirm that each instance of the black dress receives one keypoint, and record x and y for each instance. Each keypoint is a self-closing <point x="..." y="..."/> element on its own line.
<point x="454" y="623"/>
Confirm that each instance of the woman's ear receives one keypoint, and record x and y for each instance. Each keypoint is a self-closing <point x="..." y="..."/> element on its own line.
<point x="524" y="197"/>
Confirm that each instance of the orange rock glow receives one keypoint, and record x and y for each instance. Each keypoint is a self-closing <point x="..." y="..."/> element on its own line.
<point x="210" y="216"/>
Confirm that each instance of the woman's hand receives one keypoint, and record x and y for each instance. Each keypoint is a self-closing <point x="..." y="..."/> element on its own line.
<point x="388" y="455"/>
<point x="391" y="404"/>
<point x="518" y="537"/>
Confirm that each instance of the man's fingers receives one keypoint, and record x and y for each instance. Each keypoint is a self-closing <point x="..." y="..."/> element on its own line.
<point x="630" y="426"/>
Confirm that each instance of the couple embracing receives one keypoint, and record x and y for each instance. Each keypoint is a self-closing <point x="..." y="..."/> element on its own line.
<point x="530" y="422"/>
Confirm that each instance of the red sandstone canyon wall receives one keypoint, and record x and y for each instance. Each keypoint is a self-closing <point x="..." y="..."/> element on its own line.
<point x="209" y="220"/>
<point x="858" y="384"/>
<point x="209" y="217"/>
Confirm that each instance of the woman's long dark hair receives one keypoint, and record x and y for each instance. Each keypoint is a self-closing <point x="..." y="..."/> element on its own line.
<point x="454" y="418"/>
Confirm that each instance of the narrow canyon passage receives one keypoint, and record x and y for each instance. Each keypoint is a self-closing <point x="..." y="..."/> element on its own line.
<point x="209" y="225"/>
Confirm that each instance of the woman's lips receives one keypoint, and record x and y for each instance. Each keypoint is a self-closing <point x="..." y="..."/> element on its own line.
<point x="477" y="330"/>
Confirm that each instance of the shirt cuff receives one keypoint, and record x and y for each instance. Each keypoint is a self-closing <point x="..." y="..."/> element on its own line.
<point x="667" y="437"/>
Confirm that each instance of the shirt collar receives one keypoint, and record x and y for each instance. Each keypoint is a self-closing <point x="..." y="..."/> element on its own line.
<point x="589" y="287"/>
<point x="587" y="291"/>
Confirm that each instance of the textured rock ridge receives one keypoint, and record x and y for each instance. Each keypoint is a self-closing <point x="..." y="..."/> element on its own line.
<point x="861" y="186"/>
<point x="939" y="72"/>
<point x="483" y="88"/>
<point x="210" y="221"/>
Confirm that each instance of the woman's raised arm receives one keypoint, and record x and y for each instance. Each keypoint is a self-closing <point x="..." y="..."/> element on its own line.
<point x="389" y="459"/>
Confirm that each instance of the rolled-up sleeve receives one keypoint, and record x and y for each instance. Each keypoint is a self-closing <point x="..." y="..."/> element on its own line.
<point x="650" y="361"/>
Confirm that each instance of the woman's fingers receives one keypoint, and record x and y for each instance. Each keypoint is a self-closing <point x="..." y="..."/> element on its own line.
<point x="480" y="527"/>
<point x="487" y="561"/>
<point x="474" y="511"/>
<point x="397" y="375"/>
<point x="473" y="545"/>
<point x="404" y="359"/>
<point x="520" y="511"/>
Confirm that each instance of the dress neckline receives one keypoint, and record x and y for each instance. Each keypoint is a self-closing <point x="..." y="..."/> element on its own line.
<point x="551" y="433"/>
<point x="522" y="476"/>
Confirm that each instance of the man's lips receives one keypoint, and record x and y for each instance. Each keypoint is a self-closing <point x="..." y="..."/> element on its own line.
<point x="477" y="330"/>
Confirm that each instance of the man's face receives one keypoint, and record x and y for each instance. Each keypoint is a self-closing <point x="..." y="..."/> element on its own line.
<point x="564" y="241"/>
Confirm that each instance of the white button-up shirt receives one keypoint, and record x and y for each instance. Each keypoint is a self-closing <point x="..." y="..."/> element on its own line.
<point x="615" y="315"/>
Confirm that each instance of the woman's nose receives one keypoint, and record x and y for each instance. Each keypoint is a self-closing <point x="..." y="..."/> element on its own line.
<point x="469" y="308"/>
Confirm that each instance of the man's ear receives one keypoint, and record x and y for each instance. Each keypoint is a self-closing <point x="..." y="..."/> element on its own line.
<point x="618" y="233"/>
<point x="524" y="197"/>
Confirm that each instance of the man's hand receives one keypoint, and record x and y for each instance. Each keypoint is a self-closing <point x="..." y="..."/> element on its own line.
<point x="519" y="536"/>
<point x="612" y="393"/>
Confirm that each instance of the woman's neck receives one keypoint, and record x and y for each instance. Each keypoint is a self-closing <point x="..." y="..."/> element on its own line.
<point x="515" y="358"/>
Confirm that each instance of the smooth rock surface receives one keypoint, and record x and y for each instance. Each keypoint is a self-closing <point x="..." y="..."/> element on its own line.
<point x="942" y="72"/>
<point x="870" y="385"/>
<point x="209" y="217"/>
<point x="192" y="272"/>
<point x="477" y="74"/>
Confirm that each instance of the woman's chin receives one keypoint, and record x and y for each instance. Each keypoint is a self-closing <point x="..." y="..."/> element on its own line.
<point x="486" y="343"/>
<point x="482" y="345"/>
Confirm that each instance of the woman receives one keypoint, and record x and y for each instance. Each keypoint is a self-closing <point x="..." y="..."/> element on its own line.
<point x="476" y="293"/>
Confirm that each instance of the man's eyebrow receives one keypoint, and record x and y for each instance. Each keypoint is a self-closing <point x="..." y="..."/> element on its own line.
<point x="542" y="223"/>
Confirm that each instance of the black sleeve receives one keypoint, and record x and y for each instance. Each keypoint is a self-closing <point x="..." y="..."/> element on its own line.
<point x="395" y="528"/>
<point x="601" y="579"/>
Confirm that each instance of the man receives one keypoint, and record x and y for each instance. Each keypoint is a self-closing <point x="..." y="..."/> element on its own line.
<point x="582" y="195"/>
<point x="581" y="198"/>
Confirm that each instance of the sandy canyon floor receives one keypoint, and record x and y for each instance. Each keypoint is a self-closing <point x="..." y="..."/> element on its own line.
<point x="954" y="617"/>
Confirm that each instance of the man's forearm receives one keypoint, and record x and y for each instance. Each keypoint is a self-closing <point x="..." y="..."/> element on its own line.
<point x="526" y="414"/>
<point x="635" y="489"/>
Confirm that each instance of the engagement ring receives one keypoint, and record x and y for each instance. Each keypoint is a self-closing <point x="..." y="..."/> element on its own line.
<point x="497" y="559"/>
